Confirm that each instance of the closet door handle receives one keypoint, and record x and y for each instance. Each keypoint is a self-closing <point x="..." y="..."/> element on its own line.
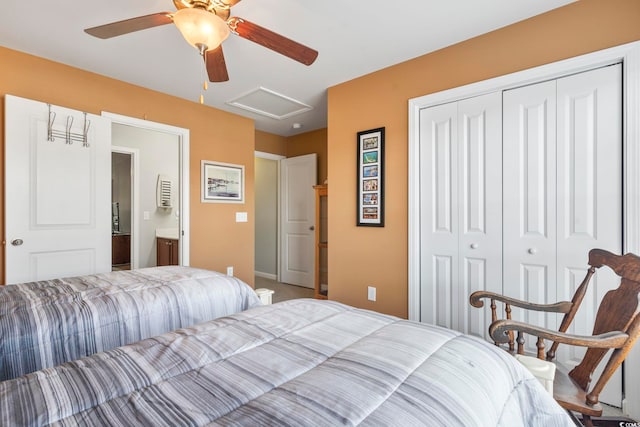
<point x="532" y="251"/>
<point x="473" y="246"/>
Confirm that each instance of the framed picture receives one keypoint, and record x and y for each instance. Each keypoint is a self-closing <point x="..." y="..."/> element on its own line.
<point x="222" y="182"/>
<point x="370" y="166"/>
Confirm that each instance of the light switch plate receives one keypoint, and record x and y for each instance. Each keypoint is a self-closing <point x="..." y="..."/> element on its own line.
<point x="241" y="217"/>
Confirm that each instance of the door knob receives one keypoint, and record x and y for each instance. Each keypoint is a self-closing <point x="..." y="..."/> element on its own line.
<point x="17" y="242"/>
<point x="473" y="246"/>
<point x="312" y="228"/>
<point x="532" y="251"/>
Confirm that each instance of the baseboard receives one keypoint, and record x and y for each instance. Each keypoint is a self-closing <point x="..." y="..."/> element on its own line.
<point x="266" y="275"/>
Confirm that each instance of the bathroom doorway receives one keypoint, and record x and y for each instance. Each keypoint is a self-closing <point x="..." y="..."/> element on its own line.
<point x="123" y="208"/>
<point x="162" y="151"/>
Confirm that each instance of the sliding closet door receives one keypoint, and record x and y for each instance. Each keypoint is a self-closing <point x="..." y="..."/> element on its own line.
<point x="461" y="210"/>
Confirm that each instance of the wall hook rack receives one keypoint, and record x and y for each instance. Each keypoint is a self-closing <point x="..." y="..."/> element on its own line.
<point x="68" y="135"/>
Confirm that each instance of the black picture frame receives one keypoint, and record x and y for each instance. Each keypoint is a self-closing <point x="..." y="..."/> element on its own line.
<point x="370" y="178"/>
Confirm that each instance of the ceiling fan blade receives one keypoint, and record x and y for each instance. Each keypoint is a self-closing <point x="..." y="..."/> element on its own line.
<point x="269" y="39"/>
<point x="130" y="25"/>
<point x="216" y="66"/>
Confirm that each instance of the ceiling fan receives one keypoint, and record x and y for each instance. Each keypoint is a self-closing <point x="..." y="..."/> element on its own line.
<point x="205" y="24"/>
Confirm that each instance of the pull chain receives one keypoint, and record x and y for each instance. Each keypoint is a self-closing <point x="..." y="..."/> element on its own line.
<point x="205" y="86"/>
<point x="204" y="76"/>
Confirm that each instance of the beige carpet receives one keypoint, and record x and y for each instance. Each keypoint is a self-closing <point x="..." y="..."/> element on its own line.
<point x="283" y="291"/>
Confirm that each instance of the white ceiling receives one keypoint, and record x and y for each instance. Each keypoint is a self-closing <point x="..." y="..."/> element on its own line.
<point x="353" y="37"/>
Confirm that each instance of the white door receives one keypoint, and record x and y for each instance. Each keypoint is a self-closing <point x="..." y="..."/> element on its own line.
<point x="439" y="213"/>
<point x="57" y="206"/>
<point x="461" y="210"/>
<point x="589" y="162"/>
<point x="563" y="148"/>
<point x="297" y="218"/>
<point x="530" y="198"/>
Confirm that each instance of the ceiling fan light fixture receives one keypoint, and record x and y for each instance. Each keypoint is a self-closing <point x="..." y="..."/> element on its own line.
<point x="202" y="29"/>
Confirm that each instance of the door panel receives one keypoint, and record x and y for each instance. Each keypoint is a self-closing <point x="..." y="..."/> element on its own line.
<point x="461" y="210"/>
<point x="61" y="183"/>
<point x="533" y="282"/>
<point x="443" y="273"/>
<point x="57" y="192"/>
<point x="480" y="204"/>
<point x="53" y="264"/>
<point x="298" y="176"/>
<point x="569" y="195"/>
<point x="589" y="194"/>
<point x="439" y="213"/>
<point x="529" y="195"/>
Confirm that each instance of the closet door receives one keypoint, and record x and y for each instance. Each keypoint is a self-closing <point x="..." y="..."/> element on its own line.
<point x="439" y="213"/>
<point x="589" y="174"/>
<point x="480" y="208"/>
<point x="589" y="182"/>
<point x="529" y="197"/>
<point x="461" y="210"/>
<point x="563" y="196"/>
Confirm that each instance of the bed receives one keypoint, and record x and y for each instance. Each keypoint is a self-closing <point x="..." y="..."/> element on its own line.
<point x="300" y="362"/>
<point x="45" y="323"/>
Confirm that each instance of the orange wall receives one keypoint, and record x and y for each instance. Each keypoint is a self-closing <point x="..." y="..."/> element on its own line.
<point x="270" y="143"/>
<point x="308" y="143"/>
<point x="361" y="256"/>
<point x="217" y="240"/>
<point x="298" y="145"/>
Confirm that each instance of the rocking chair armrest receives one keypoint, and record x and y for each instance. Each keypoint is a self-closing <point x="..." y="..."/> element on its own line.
<point x="559" y="307"/>
<point x="499" y="333"/>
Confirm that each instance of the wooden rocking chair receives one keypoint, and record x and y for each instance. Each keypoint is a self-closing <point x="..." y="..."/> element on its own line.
<point x="617" y="326"/>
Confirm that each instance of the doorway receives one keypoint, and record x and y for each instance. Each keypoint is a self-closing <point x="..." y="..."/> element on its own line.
<point x="284" y="200"/>
<point x="170" y="143"/>
<point x="121" y="210"/>
<point x="267" y="172"/>
<point x="124" y="207"/>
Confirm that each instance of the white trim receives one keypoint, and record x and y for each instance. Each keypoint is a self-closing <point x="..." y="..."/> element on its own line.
<point x="135" y="201"/>
<point x="629" y="55"/>
<point x="183" y="137"/>
<point x="269" y="156"/>
<point x="278" y="158"/>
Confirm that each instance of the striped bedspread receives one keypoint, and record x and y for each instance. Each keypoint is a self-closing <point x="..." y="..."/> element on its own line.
<point x="299" y="363"/>
<point x="43" y="324"/>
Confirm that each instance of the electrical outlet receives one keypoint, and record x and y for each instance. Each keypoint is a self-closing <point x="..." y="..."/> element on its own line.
<point x="371" y="293"/>
<point x="230" y="271"/>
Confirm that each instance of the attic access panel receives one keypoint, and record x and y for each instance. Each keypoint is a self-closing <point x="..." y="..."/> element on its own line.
<point x="270" y="104"/>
